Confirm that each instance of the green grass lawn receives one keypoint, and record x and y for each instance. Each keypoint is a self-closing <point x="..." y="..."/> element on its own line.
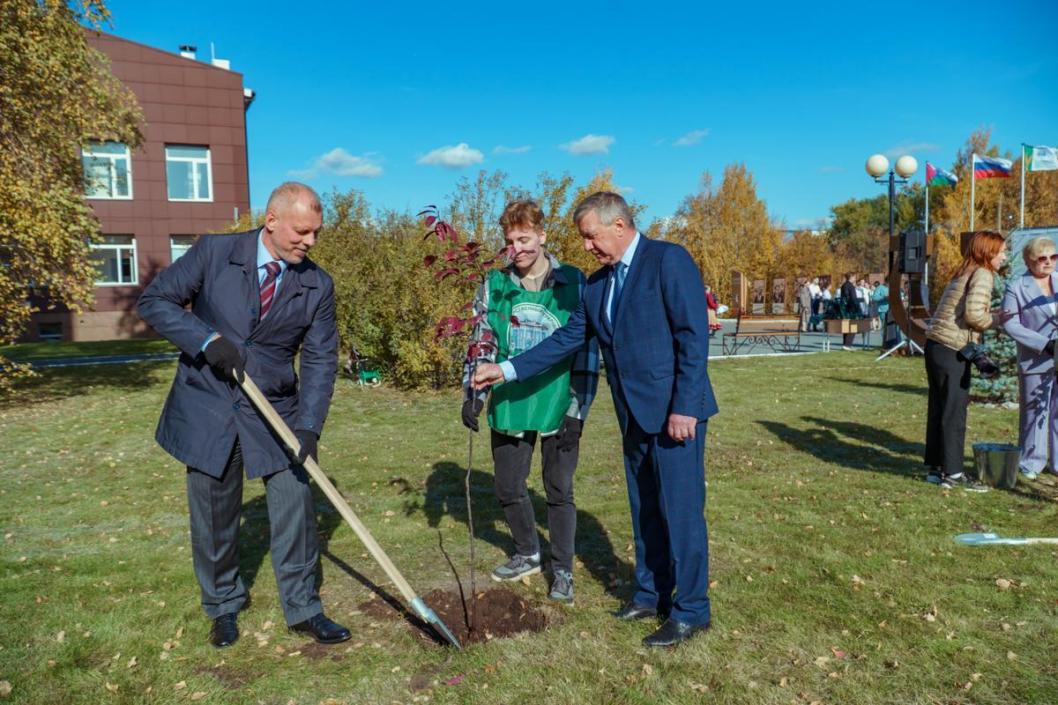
<point x="836" y="579"/>
<point x="29" y="352"/>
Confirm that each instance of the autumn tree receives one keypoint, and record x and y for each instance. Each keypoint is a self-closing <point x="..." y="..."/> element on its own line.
<point x="728" y="229"/>
<point x="56" y="94"/>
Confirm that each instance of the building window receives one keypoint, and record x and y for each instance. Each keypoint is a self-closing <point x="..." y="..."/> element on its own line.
<point x="49" y="331"/>
<point x="178" y="245"/>
<point x="188" y="173"/>
<point x="107" y="170"/>
<point x="115" y="260"/>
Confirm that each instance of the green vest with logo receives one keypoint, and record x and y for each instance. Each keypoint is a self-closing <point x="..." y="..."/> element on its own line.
<point x="539" y="403"/>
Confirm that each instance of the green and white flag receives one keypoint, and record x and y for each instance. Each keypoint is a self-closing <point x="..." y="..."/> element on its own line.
<point x="1040" y="158"/>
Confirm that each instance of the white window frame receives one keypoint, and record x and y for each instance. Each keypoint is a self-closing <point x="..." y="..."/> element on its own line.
<point x="194" y="173"/>
<point x="86" y="151"/>
<point x="172" y="246"/>
<point x="116" y="249"/>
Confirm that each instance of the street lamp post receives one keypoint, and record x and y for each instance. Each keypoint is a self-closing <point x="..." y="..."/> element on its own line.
<point x="905" y="167"/>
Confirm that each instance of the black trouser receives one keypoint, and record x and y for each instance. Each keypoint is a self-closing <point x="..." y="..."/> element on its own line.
<point x="847" y="339"/>
<point x="949" y="396"/>
<point x="513" y="459"/>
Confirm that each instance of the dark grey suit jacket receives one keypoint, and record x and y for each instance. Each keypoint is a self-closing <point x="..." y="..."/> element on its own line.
<point x="204" y="414"/>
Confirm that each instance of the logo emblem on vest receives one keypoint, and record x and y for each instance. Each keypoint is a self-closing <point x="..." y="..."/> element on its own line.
<point x="535" y="323"/>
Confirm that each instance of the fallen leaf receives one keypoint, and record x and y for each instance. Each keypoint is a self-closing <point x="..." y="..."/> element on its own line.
<point x="60" y="637"/>
<point x="838" y="653"/>
<point x="112" y="687"/>
<point x="180" y="686"/>
<point x="5" y="686"/>
<point x="699" y="687"/>
<point x="132" y="662"/>
<point x="648" y="669"/>
<point x="455" y="680"/>
<point x="1011" y="656"/>
<point x="1003" y="583"/>
<point x="198" y="695"/>
<point x="822" y="661"/>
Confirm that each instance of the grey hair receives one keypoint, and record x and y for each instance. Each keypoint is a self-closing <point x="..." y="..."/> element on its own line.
<point x="287" y="193"/>
<point x="608" y="206"/>
<point x="1034" y="247"/>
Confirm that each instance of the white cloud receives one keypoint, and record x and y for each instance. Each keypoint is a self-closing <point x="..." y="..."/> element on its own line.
<point x="691" y="138"/>
<point x="911" y="148"/>
<point x="589" y="144"/>
<point x="503" y="149"/>
<point x="457" y="157"/>
<point x="338" y="162"/>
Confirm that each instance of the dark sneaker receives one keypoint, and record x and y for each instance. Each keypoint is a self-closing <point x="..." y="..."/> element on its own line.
<point x="960" y="481"/>
<point x="562" y="587"/>
<point x="517" y="568"/>
<point x="934" y="478"/>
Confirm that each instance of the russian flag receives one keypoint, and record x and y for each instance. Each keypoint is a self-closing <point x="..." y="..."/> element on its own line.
<point x="991" y="167"/>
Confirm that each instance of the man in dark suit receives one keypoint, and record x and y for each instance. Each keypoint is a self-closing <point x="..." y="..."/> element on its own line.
<point x="646" y="306"/>
<point x="255" y="300"/>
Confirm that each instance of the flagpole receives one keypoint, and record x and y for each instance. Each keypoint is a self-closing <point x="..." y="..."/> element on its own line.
<point x="1021" y="220"/>
<point x="973" y="183"/>
<point x="927" y="208"/>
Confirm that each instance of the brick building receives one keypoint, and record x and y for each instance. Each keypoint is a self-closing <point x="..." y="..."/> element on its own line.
<point x="190" y="176"/>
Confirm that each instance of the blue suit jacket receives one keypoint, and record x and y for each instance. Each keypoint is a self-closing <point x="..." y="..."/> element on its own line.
<point x="204" y="413"/>
<point x="1033" y="323"/>
<point x="657" y="350"/>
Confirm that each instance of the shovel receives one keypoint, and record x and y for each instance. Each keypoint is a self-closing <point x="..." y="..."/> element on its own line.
<point x="310" y="465"/>
<point x="989" y="538"/>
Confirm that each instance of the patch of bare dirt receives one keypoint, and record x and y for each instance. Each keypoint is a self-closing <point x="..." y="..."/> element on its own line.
<point x="495" y="614"/>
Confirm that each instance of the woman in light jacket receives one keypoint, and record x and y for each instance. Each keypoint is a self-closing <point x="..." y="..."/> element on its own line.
<point x="1033" y="305"/>
<point x="958" y="321"/>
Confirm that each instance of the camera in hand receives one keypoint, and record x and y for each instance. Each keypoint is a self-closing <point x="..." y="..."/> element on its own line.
<point x="976" y="355"/>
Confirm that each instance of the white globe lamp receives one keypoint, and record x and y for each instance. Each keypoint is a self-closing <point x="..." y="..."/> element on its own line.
<point x="906" y="166"/>
<point x="877" y="165"/>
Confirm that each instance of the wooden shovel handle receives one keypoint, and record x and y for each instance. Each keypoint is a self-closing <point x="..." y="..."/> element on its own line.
<point x="287" y="436"/>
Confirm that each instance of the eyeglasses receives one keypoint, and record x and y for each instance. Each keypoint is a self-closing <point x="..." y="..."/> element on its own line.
<point x="1043" y="259"/>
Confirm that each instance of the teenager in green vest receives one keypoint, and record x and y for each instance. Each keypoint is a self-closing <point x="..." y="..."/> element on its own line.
<point x="517" y="307"/>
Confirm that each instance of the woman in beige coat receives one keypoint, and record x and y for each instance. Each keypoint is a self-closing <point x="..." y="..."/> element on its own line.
<point x="951" y="346"/>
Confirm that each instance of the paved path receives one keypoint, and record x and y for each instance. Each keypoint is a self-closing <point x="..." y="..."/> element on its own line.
<point x="101" y="359"/>
<point x="810" y="343"/>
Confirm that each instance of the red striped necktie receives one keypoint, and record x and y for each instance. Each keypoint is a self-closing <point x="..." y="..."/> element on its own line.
<point x="268" y="287"/>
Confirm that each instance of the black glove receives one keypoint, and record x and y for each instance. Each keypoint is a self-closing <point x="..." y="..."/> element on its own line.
<point x="569" y="433"/>
<point x="223" y="356"/>
<point x="1049" y="348"/>
<point x="471" y="410"/>
<point x="976" y="355"/>
<point x="308" y="441"/>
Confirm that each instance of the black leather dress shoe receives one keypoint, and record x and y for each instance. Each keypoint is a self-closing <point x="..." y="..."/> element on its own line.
<point x="633" y="611"/>
<point x="224" y="632"/>
<point x="322" y="629"/>
<point x="673" y="632"/>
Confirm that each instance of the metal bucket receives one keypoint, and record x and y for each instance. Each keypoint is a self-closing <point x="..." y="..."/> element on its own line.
<point x="997" y="464"/>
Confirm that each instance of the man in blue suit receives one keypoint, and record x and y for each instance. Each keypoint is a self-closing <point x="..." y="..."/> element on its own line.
<point x="255" y="301"/>
<point x="646" y="307"/>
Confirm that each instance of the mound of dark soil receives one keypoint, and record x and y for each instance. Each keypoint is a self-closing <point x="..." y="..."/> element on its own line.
<point x="494" y="614"/>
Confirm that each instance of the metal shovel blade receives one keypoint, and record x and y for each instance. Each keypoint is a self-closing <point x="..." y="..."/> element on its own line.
<point x="434" y="621"/>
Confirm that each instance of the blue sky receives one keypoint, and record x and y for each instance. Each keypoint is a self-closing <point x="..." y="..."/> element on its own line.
<point x="802" y="93"/>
